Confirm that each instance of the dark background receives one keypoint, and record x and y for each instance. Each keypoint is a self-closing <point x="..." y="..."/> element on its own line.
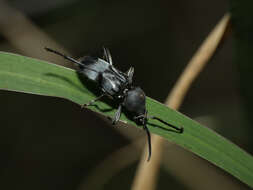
<point x="50" y="143"/>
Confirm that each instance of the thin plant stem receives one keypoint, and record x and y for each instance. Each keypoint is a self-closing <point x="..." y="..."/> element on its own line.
<point x="26" y="37"/>
<point x="147" y="172"/>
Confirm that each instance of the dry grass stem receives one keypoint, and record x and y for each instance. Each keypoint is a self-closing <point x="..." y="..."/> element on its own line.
<point x="146" y="174"/>
<point x="26" y="37"/>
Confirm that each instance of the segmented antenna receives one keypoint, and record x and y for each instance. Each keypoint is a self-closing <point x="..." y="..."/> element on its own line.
<point x="70" y="59"/>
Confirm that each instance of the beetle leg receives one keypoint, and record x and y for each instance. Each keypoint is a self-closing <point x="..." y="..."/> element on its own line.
<point x="92" y="101"/>
<point x="130" y="74"/>
<point x="179" y="129"/>
<point x="139" y="116"/>
<point x="107" y="55"/>
<point x="117" y="115"/>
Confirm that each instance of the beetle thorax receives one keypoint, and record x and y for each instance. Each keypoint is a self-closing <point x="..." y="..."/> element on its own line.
<point x="135" y="101"/>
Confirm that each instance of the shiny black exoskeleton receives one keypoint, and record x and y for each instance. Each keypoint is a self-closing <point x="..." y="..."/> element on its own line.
<point x="117" y="85"/>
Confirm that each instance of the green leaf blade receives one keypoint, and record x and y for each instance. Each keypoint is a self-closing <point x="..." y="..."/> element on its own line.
<point x="22" y="74"/>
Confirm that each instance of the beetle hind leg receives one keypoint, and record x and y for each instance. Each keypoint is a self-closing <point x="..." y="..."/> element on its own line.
<point x="90" y="103"/>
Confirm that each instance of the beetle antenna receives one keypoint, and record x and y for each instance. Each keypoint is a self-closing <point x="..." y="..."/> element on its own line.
<point x="149" y="141"/>
<point x="179" y="129"/>
<point x="69" y="58"/>
<point x="64" y="56"/>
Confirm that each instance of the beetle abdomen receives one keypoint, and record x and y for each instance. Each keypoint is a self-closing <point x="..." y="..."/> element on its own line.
<point x="95" y="67"/>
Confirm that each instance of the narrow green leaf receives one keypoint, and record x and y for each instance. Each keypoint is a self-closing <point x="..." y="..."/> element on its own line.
<point x="22" y="74"/>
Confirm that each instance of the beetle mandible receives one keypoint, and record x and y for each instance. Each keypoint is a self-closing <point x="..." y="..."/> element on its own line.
<point x="117" y="85"/>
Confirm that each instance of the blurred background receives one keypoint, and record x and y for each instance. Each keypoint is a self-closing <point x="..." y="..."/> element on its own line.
<point x="50" y="143"/>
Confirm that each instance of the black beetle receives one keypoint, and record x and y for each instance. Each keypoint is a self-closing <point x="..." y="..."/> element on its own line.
<point x="117" y="85"/>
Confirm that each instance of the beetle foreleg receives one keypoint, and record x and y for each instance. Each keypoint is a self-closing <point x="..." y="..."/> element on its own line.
<point x="90" y="103"/>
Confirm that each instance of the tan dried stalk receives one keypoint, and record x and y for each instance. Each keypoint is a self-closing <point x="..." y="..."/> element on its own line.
<point x="26" y="37"/>
<point x="146" y="174"/>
